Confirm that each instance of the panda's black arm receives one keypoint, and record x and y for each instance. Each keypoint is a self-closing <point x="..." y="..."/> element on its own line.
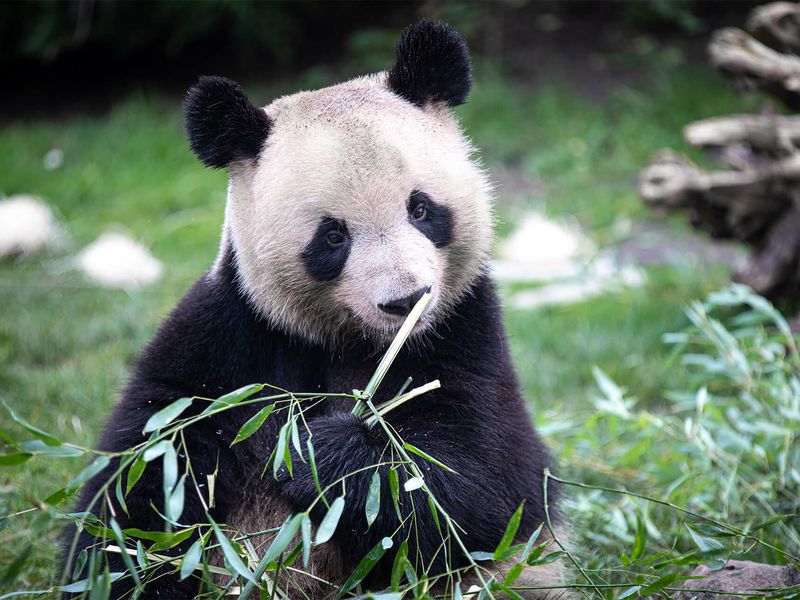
<point x="498" y="464"/>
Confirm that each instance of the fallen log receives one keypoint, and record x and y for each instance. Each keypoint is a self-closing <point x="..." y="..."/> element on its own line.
<point x="752" y="65"/>
<point x="779" y="22"/>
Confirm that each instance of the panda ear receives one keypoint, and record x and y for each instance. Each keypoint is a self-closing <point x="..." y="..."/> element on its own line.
<point x="431" y="65"/>
<point x="223" y="126"/>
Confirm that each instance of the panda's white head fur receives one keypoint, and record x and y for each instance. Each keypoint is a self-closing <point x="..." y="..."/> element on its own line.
<point x="346" y="203"/>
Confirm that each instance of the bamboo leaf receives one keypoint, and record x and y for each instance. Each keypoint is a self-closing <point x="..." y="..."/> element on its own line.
<point x="305" y="534"/>
<point x="126" y="558"/>
<point x="640" y="541"/>
<point x="366" y="565"/>
<point x="174" y="507"/>
<point x="511" y="531"/>
<point x="192" y="558"/>
<point x="47" y="438"/>
<point x="312" y="462"/>
<point x="167" y="414"/>
<point x="394" y="489"/>
<point x="413" y="483"/>
<point x="285" y="535"/>
<point x="156" y="450"/>
<point x="373" y="503"/>
<point x="92" y="469"/>
<point x="14" y="458"/>
<point x="329" y="522"/>
<point x="253" y="424"/>
<point x="134" y="473"/>
<point x="234" y="560"/>
<point x="280" y="452"/>
<point x="398" y="565"/>
<point x="427" y="457"/>
<point x="235" y="397"/>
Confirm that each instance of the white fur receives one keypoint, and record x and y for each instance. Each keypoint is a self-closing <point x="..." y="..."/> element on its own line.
<point x="114" y="260"/>
<point x="355" y="151"/>
<point x="27" y="226"/>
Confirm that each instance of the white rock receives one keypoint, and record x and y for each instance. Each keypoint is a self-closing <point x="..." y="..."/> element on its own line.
<point x="115" y="260"/>
<point x="27" y="226"/>
<point x="563" y="259"/>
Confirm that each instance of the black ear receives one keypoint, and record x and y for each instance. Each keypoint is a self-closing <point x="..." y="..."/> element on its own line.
<point x="431" y="65"/>
<point x="223" y="126"/>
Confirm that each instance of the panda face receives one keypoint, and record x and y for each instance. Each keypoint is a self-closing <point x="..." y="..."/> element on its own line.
<point x="358" y="201"/>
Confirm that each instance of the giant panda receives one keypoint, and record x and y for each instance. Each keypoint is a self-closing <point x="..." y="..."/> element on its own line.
<point x="344" y="206"/>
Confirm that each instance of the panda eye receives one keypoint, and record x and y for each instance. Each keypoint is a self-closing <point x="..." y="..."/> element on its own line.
<point x="334" y="238"/>
<point x="419" y="212"/>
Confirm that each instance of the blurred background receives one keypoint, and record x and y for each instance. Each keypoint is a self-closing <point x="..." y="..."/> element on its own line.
<point x="571" y="100"/>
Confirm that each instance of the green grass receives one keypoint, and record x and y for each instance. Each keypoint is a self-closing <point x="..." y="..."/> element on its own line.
<point x="65" y="346"/>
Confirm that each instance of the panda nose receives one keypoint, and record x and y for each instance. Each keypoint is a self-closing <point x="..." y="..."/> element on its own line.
<point x="403" y="306"/>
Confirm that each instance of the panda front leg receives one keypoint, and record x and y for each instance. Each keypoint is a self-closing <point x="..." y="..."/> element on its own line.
<point x="477" y="496"/>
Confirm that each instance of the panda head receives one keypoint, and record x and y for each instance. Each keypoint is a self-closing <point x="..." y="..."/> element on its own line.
<point x="345" y="204"/>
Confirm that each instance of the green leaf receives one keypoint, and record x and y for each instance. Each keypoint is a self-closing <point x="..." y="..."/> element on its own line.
<point x="366" y="565"/>
<point x="141" y="557"/>
<point x="305" y="529"/>
<point x="531" y="541"/>
<point x="134" y="473"/>
<point x="162" y="539"/>
<point x="14" y="458"/>
<point x="171" y="540"/>
<point x="38" y="447"/>
<point x="398" y="565"/>
<point x="511" y="531"/>
<point x="394" y="489"/>
<point x="253" y="424"/>
<point x="191" y="559"/>
<point x="92" y="469"/>
<point x="285" y="535"/>
<point x="47" y="438"/>
<point x="296" y="439"/>
<point x="659" y="584"/>
<point x="312" y="462"/>
<point x="167" y="414"/>
<point x="118" y="493"/>
<point x="629" y="592"/>
<point x="234" y="560"/>
<point x="280" y="452"/>
<point x="479" y="556"/>
<point x="513" y="574"/>
<point x="80" y="563"/>
<point x="705" y="544"/>
<point x="329" y="522"/>
<point x="126" y="558"/>
<point x="174" y="507"/>
<point x="235" y="397"/>
<point x="640" y="541"/>
<point x="428" y="457"/>
<point x="87" y="584"/>
<point x="156" y="450"/>
<point x="169" y="471"/>
<point x="373" y="504"/>
<point x="547" y="558"/>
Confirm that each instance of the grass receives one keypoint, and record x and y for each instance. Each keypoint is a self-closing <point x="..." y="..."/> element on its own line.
<point x="65" y="346"/>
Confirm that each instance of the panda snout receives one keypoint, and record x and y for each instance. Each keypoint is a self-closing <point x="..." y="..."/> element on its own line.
<point x="402" y="306"/>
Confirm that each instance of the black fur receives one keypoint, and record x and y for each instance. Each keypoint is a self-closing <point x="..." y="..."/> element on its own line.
<point x="437" y="225"/>
<point x="323" y="261"/>
<point x="477" y="423"/>
<point x="431" y="65"/>
<point x="223" y="126"/>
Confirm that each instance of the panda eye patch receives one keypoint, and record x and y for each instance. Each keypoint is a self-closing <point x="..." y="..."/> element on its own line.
<point x="433" y="220"/>
<point x="326" y="253"/>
